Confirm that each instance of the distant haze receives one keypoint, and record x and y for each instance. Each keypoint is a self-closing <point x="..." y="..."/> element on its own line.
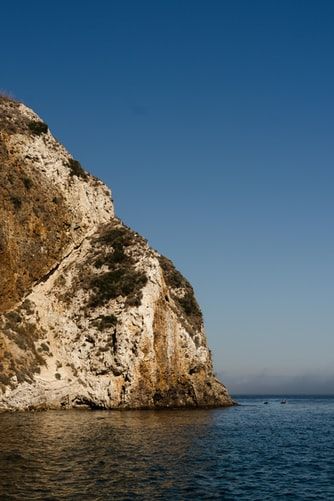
<point x="266" y="384"/>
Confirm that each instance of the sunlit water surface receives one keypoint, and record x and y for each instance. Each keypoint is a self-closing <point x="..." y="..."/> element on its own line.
<point x="255" y="451"/>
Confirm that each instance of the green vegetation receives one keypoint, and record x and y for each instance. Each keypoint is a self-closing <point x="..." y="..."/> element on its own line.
<point x="120" y="282"/>
<point x="27" y="306"/>
<point x="44" y="347"/>
<point x="182" y="292"/>
<point x="122" y="277"/>
<point x="118" y="237"/>
<point x="37" y="127"/>
<point x="16" y="201"/>
<point x="13" y="121"/>
<point x="76" y="169"/>
<point x="189" y="304"/>
<point x="27" y="182"/>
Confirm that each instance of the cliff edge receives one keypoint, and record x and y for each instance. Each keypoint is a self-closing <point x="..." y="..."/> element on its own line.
<point x="90" y="315"/>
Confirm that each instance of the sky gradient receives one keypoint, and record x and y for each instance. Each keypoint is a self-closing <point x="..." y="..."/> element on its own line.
<point x="212" y="122"/>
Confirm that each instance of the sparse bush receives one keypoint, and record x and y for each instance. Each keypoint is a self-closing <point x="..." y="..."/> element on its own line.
<point x="16" y="201"/>
<point x="114" y="258"/>
<point x="118" y="237"/>
<point x="172" y="276"/>
<point x="189" y="304"/>
<point x="13" y="317"/>
<point x="119" y="282"/>
<point x="38" y="127"/>
<point x="76" y="169"/>
<point x="122" y="277"/>
<point x="27" y="182"/>
<point x="181" y="292"/>
<point x="28" y="306"/>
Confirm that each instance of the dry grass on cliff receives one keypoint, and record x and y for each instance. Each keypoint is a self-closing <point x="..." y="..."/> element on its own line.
<point x="19" y="357"/>
<point x="13" y="121"/>
<point x="7" y="96"/>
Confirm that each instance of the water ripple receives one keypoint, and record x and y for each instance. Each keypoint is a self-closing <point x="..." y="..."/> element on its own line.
<point x="251" y="452"/>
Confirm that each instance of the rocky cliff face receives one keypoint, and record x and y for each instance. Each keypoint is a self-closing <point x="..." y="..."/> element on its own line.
<point x="90" y="315"/>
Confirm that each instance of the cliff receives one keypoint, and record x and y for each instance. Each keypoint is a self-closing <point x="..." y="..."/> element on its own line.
<point x="90" y="315"/>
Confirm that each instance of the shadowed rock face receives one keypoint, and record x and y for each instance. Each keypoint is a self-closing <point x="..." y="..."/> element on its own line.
<point x="34" y="218"/>
<point x="90" y="315"/>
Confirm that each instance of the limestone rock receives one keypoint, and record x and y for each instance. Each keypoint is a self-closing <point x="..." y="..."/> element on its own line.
<point x="90" y="315"/>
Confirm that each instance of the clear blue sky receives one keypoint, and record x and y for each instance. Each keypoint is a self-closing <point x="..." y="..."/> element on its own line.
<point x="212" y="121"/>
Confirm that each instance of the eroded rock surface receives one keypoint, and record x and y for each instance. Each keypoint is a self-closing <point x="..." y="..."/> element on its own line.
<point x="90" y="315"/>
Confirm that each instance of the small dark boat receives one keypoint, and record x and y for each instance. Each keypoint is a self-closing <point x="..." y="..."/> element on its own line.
<point x="266" y="402"/>
<point x="283" y="401"/>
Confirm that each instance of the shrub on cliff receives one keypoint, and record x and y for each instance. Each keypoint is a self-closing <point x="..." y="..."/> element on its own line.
<point x="181" y="292"/>
<point x="38" y="127"/>
<point x="76" y="169"/>
<point x="122" y="277"/>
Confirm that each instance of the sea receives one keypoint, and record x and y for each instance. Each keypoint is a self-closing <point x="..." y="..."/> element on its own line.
<point x="253" y="451"/>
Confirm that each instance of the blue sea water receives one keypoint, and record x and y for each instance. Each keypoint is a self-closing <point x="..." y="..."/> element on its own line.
<point x="254" y="451"/>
